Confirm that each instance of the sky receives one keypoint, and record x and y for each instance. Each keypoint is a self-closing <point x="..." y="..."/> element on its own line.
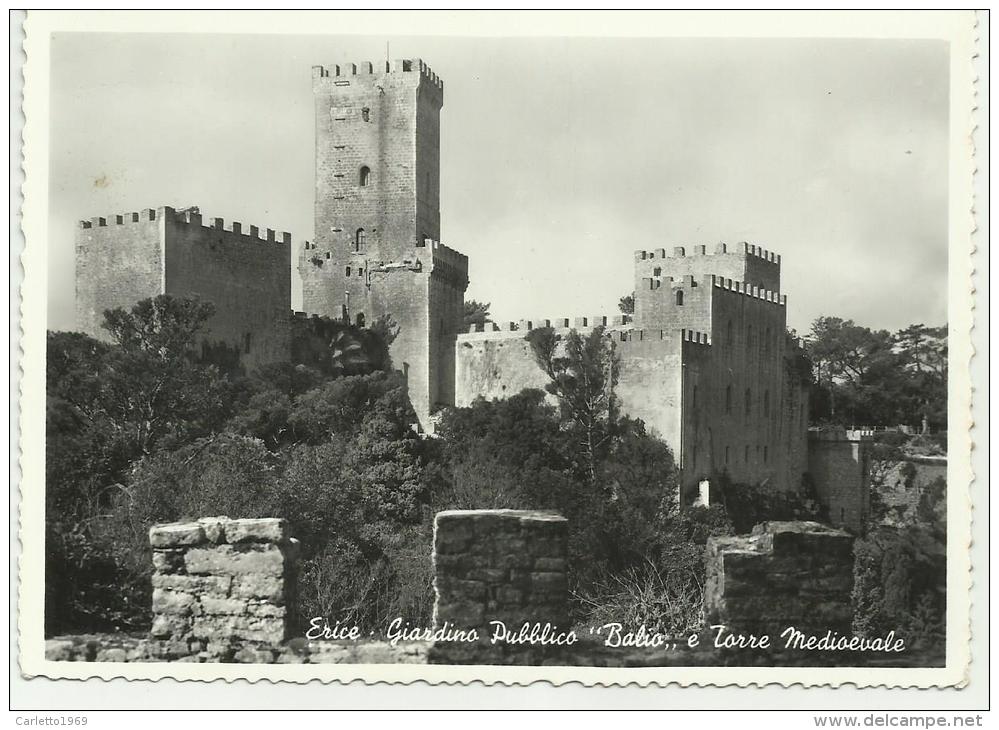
<point x="559" y="157"/>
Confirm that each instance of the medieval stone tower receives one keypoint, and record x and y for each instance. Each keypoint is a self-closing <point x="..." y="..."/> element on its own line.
<point x="377" y="251"/>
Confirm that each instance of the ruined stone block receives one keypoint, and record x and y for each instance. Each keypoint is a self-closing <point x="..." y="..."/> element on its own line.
<point x="264" y="559"/>
<point x="168" y="561"/>
<point x="177" y="534"/>
<point x="256" y="585"/>
<point x="270" y="529"/>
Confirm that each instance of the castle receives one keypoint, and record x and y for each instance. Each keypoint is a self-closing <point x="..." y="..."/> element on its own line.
<point x="705" y="360"/>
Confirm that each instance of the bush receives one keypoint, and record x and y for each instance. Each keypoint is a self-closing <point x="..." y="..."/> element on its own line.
<point x="900" y="584"/>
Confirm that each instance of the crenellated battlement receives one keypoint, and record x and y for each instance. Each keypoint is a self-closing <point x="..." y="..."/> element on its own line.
<point x="720" y="249"/>
<point x="520" y="327"/>
<point x="345" y="72"/>
<point x="189" y="216"/>
<point x="756" y="292"/>
<point x="446" y="255"/>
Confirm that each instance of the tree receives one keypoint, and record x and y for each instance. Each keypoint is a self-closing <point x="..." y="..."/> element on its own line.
<point x="334" y="347"/>
<point x="475" y="313"/>
<point x="627" y="304"/>
<point x="923" y="351"/>
<point x="875" y="377"/>
<point x="583" y="380"/>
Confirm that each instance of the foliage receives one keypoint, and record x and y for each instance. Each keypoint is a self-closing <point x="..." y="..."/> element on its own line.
<point x="900" y="584"/>
<point x="475" y="313"/>
<point x="583" y="371"/>
<point x="334" y="347"/>
<point x="875" y="377"/>
<point x="665" y="591"/>
<point x="747" y="505"/>
<point x="627" y="304"/>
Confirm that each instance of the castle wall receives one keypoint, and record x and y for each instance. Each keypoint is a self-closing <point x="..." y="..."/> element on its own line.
<point x="119" y="261"/>
<point x="839" y="466"/>
<point x="743" y="262"/>
<point x="446" y="311"/>
<point x="247" y="277"/>
<point x="740" y="412"/>
<point x="404" y="295"/>
<point x="494" y="365"/>
<point x="669" y="303"/>
<point x="649" y="382"/>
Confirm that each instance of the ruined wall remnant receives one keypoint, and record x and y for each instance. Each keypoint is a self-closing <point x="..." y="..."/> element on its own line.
<point x="222" y="586"/>
<point x="784" y="574"/>
<point x="504" y="566"/>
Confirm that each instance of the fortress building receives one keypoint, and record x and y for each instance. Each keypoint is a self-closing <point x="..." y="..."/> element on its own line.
<point x="703" y="363"/>
<point x="377" y="249"/>
<point x="705" y="360"/>
<point x="244" y="273"/>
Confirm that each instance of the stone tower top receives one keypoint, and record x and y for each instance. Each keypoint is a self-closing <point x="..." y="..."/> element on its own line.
<point x="377" y="158"/>
<point x="753" y="265"/>
<point x="344" y="73"/>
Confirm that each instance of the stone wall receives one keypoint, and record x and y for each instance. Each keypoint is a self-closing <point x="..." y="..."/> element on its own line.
<point x="244" y="272"/>
<point x="221" y="587"/>
<point x="119" y="261"/>
<point x="785" y="574"/>
<point x="741" y="262"/>
<point x="839" y="467"/>
<point x="492" y="566"/>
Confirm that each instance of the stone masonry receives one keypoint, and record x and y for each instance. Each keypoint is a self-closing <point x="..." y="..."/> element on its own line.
<point x="221" y="586"/>
<point x="498" y="565"/>
<point x="223" y="590"/>
<point x="784" y="574"/>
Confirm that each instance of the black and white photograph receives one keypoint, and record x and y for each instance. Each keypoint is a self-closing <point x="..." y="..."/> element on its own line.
<point x="580" y="358"/>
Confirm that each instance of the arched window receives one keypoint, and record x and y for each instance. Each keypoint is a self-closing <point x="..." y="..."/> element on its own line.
<point x="728" y="399"/>
<point x="360" y="319"/>
<point x="679" y="297"/>
<point x="364" y="177"/>
<point x="359" y="239"/>
<point x="749" y="401"/>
